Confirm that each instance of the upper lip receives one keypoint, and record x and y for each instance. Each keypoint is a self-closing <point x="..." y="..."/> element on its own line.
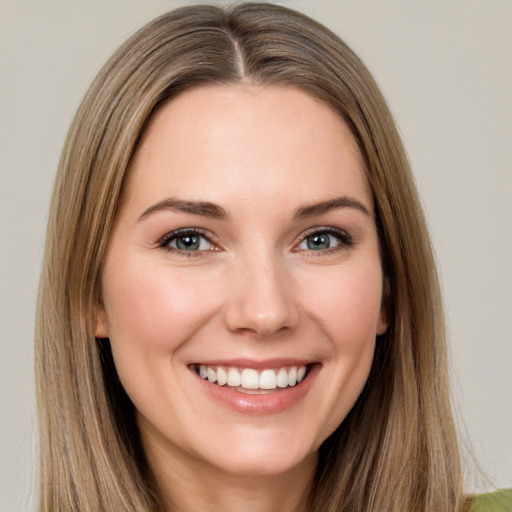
<point x="257" y="364"/>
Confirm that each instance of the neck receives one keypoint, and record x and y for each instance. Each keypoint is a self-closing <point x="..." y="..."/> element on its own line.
<point x="187" y="484"/>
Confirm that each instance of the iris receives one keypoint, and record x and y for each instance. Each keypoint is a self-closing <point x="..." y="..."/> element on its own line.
<point x="318" y="241"/>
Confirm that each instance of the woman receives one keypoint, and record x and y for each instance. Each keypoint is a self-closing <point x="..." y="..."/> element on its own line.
<point x="239" y="305"/>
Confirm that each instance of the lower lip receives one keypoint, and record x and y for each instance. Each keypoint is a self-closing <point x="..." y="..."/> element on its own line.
<point x="260" y="404"/>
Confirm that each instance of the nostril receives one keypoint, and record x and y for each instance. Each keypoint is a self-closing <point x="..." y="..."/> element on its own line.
<point x="249" y="319"/>
<point x="261" y="303"/>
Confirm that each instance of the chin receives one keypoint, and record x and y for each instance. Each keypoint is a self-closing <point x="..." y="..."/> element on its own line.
<point x="260" y="454"/>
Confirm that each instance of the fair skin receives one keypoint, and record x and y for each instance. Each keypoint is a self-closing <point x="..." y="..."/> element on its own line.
<point x="274" y="279"/>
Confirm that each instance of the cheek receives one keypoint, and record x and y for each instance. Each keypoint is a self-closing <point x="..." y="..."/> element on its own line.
<point x="151" y="312"/>
<point x="348" y="303"/>
<point x="153" y="309"/>
<point x="346" y="306"/>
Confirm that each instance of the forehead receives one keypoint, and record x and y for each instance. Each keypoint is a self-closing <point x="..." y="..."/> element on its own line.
<point x="247" y="140"/>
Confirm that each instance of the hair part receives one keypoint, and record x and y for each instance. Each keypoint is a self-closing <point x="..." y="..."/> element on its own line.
<point x="397" y="449"/>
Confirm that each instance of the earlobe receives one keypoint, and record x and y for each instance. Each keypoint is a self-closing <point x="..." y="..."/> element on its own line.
<point x="101" y="328"/>
<point x="383" y="322"/>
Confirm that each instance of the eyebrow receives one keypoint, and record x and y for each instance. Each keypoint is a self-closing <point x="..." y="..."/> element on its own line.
<point x="214" y="211"/>
<point x="203" y="208"/>
<point x="326" y="206"/>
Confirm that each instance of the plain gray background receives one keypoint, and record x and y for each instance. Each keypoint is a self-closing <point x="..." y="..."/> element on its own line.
<point x="446" y="69"/>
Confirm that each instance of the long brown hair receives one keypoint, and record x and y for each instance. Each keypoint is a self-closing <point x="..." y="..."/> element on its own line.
<point x="397" y="449"/>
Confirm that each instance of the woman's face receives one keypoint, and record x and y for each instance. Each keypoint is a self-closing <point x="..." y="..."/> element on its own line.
<point x="242" y="284"/>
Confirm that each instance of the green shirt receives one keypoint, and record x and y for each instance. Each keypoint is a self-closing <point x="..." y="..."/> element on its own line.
<point x="500" y="501"/>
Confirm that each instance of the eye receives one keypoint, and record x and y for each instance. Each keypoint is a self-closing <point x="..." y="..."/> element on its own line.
<point x="186" y="240"/>
<point x="324" y="239"/>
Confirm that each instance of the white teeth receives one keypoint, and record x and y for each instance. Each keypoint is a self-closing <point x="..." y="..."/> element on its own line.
<point x="268" y="379"/>
<point x="222" y="377"/>
<point x="211" y="375"/>
<point x="282" y="378"/>
<point x="234" y="378"/>
<point x="292" y="376"/>
<point x="249" y="378"/>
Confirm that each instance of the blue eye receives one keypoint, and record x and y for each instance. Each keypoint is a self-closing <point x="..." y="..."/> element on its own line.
<point x="320" y="241"/>
<point x="324" y="239"/>
<point x="187" y="241"/>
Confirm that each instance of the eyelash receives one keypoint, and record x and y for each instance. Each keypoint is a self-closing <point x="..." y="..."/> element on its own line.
<point x="168" y="238"/>
<point x="344" y="239"/>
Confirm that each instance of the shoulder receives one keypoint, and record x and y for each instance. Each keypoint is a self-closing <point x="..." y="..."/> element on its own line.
<point x="500" y="501"/>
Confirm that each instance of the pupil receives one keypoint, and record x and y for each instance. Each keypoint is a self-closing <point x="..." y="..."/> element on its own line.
<point x="188" y="242"/>
<point x="316" y="242"/>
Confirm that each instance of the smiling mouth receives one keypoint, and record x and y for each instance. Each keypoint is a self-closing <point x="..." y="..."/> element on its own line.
<point x="252" y="381"/>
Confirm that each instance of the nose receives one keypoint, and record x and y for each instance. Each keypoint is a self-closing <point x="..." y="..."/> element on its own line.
<point x="261" y="299"/>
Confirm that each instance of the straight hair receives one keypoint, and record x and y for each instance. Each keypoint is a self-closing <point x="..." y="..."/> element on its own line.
<point x="397" y="449"/>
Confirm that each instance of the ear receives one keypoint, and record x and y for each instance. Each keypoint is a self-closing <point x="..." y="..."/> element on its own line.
<point x="383" y="322"/>
<point x="101" y="329"/>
